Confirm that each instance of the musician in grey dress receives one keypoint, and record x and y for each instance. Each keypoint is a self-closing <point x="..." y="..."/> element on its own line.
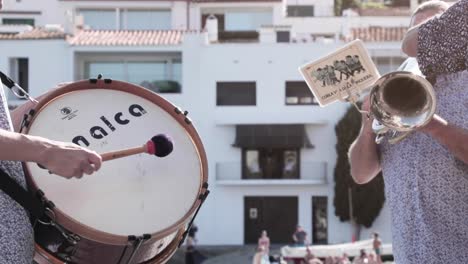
<point x="16" y="236"/>
<point x="63" y="159"/>
<point x="426" y="174"/>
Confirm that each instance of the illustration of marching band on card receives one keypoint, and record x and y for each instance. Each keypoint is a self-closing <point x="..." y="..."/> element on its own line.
<point x="346" y="71"/>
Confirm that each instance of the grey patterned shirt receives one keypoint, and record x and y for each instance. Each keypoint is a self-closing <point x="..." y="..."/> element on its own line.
<point x="426" y="186"/>
<point x="16" y="235"/>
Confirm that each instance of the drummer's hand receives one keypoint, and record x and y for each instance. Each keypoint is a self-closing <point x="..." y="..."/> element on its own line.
<point x="69" y="160"/>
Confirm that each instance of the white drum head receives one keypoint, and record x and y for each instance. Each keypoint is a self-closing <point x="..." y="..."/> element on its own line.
<point x="129" y="196"/>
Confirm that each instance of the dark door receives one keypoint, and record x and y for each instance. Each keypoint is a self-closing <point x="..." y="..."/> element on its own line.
<point x="277" y="215"/>
<point x="319" y="220"/>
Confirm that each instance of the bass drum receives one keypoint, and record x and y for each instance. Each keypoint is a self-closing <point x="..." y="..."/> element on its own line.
<point x="133" y="210"/>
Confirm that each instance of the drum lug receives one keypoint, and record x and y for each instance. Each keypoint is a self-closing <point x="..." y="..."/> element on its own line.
<point x="26" y="119"/>
<point x="99" y="77"/>
<point x="187" y="119"/>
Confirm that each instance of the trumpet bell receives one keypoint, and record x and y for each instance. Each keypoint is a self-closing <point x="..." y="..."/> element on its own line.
<point x="402" y="101"/>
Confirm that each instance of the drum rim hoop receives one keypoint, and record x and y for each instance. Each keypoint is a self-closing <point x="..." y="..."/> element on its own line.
<point x="97" y="235"/>
<point x="161" y="257"/>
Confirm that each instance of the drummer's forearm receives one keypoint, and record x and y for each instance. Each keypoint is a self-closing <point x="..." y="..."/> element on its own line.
<point x="19" y="147"/>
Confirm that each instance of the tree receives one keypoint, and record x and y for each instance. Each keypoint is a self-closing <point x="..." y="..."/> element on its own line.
<point x="341" y="5"/>
<point x="367" y="199"/>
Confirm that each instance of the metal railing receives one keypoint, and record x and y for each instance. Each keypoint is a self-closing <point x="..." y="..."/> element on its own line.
<point x="313" y="172"/>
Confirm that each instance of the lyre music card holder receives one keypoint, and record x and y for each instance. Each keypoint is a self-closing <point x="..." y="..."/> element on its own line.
<point x="342" y="75"/>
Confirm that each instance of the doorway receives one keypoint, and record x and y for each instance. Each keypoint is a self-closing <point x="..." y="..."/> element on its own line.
<point x="277" y="215"/>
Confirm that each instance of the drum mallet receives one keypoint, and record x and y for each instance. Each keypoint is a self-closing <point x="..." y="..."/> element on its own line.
<point x="159" y="145"/>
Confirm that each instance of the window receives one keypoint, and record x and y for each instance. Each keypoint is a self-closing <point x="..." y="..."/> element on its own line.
<point x="99" y="19"/>
<point x="18" y="21"/>
<point x="300" y="11"/>
<point x="163" y="75"/>
<point x="109" y="19"/>
<point x="19" y="72"/>
<point x="146" y="19"/>
<point x="387" y="64"/>
<point x="235" y="93"/>
<point x="319" y="220"/>
<point x="298" y="93"/>
<point x="283" y="36"/>
<point x="270" y="164"/>
<point x="247" y="21"/>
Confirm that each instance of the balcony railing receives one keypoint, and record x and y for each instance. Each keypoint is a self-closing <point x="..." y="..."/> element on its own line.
<point x="311" y="172"/>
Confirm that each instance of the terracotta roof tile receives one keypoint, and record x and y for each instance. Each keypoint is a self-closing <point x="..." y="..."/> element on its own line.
<point x="127" y="37"/>
<point x="33" y="34"/>
<point x="388" y="11"/>
<point x="377" y="34"/>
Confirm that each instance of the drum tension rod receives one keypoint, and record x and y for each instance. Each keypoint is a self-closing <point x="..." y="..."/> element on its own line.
<point x="135" y="242"/>
<point x="202" y="198"/>
<point x="70" y="237"/>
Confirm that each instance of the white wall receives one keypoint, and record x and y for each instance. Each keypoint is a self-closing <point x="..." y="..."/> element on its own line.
<point x="270" y="65"/>
<point x="321" y="7"/>
<point x="46" y="62"/>
<point x="50" y="11"/>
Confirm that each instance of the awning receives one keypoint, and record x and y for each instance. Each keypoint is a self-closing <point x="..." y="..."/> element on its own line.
<point x="271" y="136"/>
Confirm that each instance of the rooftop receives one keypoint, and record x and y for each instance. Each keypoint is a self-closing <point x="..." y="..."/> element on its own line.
<point x="385" y="11"/>
<point x="31" y="34"/>
<point x="127" y="37"/>
<point x="377" y="34"/>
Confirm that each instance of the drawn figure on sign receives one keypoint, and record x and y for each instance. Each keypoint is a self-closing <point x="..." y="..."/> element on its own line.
<point x="350" y="63"/>
<point x="358" y="64"/>
<point x="320" y="75"/>
<point x="342" y="68"/>
<point x="331" y="75"/>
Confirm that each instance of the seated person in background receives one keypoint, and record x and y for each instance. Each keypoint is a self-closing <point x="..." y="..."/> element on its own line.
<point x="362" y="259"/>
<point x="300" y="237"/>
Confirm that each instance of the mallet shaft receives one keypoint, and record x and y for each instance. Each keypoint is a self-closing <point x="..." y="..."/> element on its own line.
<point x="124" y="153"/>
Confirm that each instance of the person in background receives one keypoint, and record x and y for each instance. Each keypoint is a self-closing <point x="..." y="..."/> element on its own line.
<point x="377" y="246"/>
<point x="344" y="259"/>
<point x="260" y="256"/>
<point x="426" y="174"/>
<point x="373" y="259"/>
<point x="300" y="237"/>
<point x="192" y="255"/>
<point x="310" y="258"/>
<point x="362" y="259"/>
<point x="264" y="241"/>
<point x="308" y="255"/>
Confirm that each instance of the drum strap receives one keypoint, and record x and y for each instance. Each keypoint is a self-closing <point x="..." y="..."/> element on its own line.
<point x="202" y="198"/>
<point x="34" y="205"/>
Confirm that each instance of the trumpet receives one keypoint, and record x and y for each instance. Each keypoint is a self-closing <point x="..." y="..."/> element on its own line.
<point x="400" y="102"/>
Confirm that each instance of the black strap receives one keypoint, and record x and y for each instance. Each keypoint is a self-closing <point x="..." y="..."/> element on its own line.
<point x="6" y="80"/>
<point x="24" y="198"/>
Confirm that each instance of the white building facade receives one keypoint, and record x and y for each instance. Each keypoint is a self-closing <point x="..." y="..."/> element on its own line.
<point x="271" y="149"/>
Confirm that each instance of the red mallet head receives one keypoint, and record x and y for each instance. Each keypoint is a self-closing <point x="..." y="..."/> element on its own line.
<point x="160" y="145"/>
